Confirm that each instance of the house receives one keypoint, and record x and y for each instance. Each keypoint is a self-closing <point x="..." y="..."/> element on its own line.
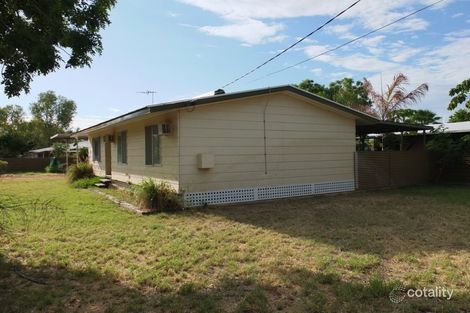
<point x="45" y="153"/>
<point x="457" y="128"/>
<point x="236" y="147"/>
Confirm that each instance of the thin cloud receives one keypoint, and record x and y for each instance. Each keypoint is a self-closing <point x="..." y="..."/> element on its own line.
<point x="368" y="15"/>
<point x="173" y="14"/>
<point x="248" y="31"/>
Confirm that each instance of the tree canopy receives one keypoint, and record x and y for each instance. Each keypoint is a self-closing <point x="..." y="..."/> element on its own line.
<point x="461" y="115"/>
<point x="51" y="114"/>
<point x="421" y="117"/>
<point x="14" y="131"/>
<point x="54" y="111"/>
<point x="345" y="91"/>
<point x="36" y="36"/>
<point x="460" y="94"/>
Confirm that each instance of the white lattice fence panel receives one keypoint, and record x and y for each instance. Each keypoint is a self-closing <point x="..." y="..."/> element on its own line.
<point x="264" y="193"/>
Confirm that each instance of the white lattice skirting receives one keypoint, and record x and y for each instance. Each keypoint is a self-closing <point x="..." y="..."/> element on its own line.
<point x="264" y="193"/>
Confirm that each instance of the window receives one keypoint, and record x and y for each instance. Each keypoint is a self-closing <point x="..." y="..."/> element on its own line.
<point x="96" y="143"/>
<point x="122" y="147"/>
<point x="152" y="145"/>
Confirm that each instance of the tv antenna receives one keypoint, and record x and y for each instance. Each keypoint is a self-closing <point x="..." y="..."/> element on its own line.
<point x="148" y="92"/>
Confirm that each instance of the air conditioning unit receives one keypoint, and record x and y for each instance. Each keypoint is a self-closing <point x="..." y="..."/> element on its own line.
<point x="108" y="138"/>
<point x="164" y="129"/>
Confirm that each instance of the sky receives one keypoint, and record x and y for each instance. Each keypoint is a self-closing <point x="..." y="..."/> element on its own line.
<point x="184" y="48"/>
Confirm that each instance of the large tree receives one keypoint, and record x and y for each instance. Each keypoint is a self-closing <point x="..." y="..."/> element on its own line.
<point x="316" y="88"/>
<point x="11" y="116"/>
<point x="460" y="94"/>
<point x="462" y="115"/>
<point x="421" y="117"/>
<point x="37" y="35"/>
<point x="345" y="91"/>
<point x="395" y="96"/>
<point x="51" y="114"/>
<point x="15" y="138"/>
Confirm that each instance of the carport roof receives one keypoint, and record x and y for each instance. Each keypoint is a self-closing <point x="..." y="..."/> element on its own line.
<point x="388" y="127"/>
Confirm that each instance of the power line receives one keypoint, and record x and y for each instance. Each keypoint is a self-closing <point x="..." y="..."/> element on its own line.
<point x="291" y="46"/>
<point x="350" y="41"/>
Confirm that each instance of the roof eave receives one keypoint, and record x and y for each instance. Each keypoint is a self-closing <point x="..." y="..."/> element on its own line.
<point x="113" y="121"/>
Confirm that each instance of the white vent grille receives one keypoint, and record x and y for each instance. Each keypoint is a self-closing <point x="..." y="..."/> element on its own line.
<point x="334" y="187"/>
<point x="264" y="193"/>
<point x="219" y="196"/>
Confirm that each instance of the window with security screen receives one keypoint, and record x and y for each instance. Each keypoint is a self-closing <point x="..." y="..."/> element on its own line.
<point x="152" y="146"/>
<point x="122" y="147"/>
<point x="96" y="143"/>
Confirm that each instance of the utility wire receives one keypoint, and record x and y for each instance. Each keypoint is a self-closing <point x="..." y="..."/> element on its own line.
<point x="350" y="41"/>
<point x="291" y="46"/>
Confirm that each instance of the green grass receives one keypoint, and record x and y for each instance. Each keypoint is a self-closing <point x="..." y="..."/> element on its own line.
<point x="341" y="253"/>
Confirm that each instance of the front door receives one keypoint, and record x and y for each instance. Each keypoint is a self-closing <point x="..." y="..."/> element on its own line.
<point x="107" y="157"/>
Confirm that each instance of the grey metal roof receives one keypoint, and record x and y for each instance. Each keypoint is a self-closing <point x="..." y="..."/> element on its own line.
<point x="72" y="147"/>
<point x="388" y="127"/>
<point x="47" y="149"/>
<point x="167" y="106"/>
<point x="457" y="127"/>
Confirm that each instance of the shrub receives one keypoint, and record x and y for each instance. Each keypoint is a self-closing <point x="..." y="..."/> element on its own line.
<point x="448" y="150"/>
<point x="3" y="166"/>
<point x="158" y="197"/>
<point x="54" y="166"/>
<point x="84" y="183"/>
<point x="59" y="149"/>
<point x="82" y="154"/>
<point x="79" y="171"/>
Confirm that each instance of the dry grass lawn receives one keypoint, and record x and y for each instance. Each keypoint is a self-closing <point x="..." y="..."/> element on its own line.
<point x="341" y="253"/>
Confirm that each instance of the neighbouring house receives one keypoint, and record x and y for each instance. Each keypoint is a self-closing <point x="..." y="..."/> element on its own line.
<point x="236" y="147"/>
<point x="457" y="128"/>
<point x="45" y="153"/>
<point x="418" y="140"/>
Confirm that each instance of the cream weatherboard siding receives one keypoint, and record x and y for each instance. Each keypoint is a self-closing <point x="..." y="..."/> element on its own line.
<point x="135" y="169"/>
<point x="309" y="149"/>
<point x="305" y="143"/>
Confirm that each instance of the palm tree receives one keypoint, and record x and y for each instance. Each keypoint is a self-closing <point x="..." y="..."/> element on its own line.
<point x="395" y="96"/>
<point x="425" y="117"/>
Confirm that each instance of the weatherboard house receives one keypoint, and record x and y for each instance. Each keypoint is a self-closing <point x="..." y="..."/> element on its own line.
<point x="235" y="147"/>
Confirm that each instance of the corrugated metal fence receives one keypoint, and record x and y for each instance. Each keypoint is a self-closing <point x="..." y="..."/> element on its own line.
<point x="382" y="169"/>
